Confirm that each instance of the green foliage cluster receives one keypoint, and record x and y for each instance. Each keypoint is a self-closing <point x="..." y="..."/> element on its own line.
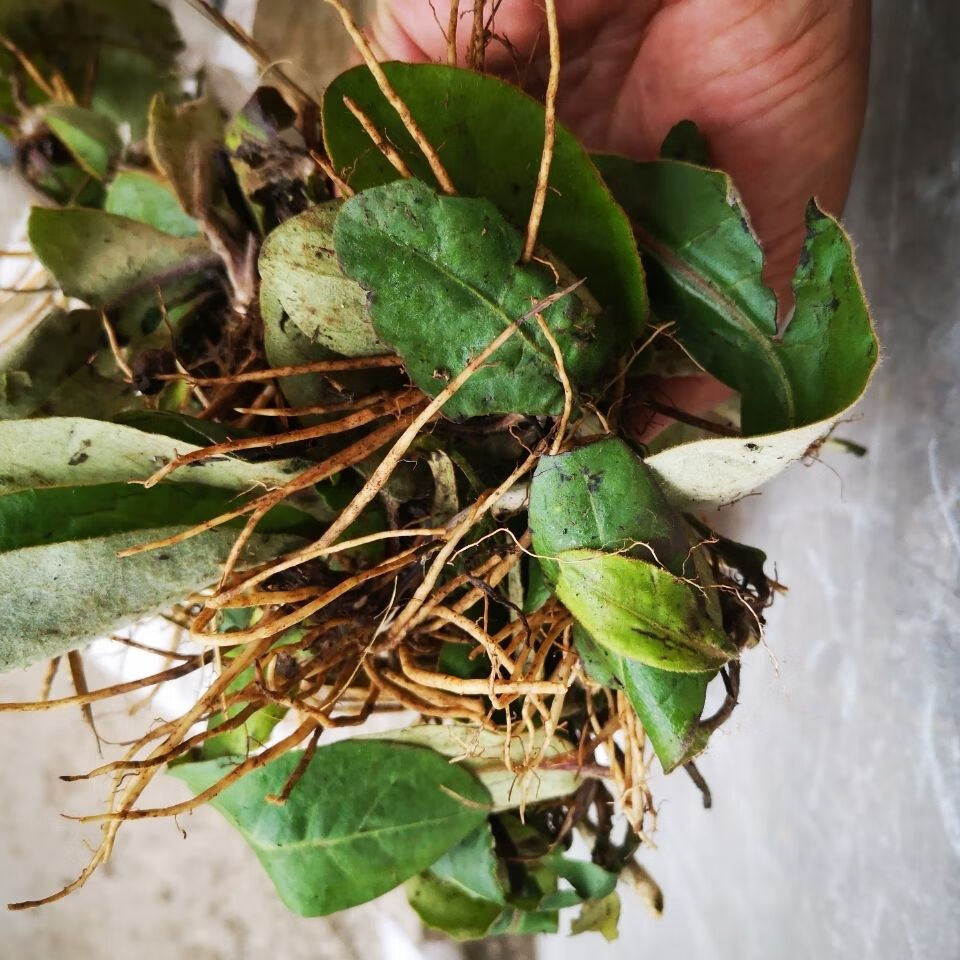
<point x="161" y="205"/>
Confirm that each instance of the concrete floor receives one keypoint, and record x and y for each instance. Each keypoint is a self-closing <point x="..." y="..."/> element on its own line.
<point x="836" y="823"/>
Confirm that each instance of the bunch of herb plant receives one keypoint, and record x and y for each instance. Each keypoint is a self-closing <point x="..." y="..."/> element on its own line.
<point x="338" y="388"/>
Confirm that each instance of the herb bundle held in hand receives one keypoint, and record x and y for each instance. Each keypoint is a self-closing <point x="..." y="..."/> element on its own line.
<point x="360" y="397"/>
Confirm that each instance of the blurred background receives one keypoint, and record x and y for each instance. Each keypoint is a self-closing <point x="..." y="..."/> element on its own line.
<point x="835" y="830"/>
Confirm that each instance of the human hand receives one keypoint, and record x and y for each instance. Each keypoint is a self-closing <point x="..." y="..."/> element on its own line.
<point x="778" y="88"/>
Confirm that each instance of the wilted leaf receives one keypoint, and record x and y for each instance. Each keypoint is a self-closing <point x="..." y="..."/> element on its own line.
<point x="37" y="364"/>
<point x="106" y="260"/>
<point x="71" y="451"/>
<point x="270" y="159"/>
<point x="601" y="916"/>
<point x="365" y="816"/>
<point x="144" y="197"/>
<point x="299" y="270"/>
<point x="489" y="135"/>
<point x="450" y="262"/>
<point x="58" y="552"/>
<point x="183" y="139"/>
<point x="481" y="752"/>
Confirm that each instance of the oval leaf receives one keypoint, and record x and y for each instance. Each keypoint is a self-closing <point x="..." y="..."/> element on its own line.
<point x="299" y="270"/>
<point x="642" y="611"/>
<point x="365" y="816"/>
<point x="472" y="866"/>
<point x="489" y="135"/>
<point x="39" y="363"/>
<point x="450" y="263"/>
<point x="601" y="496"/>
<point x="444" y="906"/>
<point x="183" y="139"/>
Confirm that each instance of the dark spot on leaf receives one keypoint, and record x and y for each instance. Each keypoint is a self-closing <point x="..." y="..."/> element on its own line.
<point x="77" y="459"/>
<point x="753" y="446"/>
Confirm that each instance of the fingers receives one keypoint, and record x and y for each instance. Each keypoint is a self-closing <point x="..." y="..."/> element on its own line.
<point x="413" y="30"/>
<point x="780" y="94"/>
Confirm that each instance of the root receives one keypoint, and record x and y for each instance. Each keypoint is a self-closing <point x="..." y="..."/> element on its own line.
<point x="391" y="96"/>
<point x="549" y="135"/>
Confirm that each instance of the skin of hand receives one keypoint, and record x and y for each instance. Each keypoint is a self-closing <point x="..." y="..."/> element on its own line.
<point x="777" y="87"/>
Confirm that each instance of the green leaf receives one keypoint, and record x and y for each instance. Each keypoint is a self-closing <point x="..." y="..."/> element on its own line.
<point x="685" y="142"/>
<point x="365" y="816"/>
<point x="58" y="549"/>
<point x="519" y="922"/>
<point x="270" y="159"/>
<point x="299" y="270"/>
<point x="58" y="346"/>
<point x="106" y="260"/>
<point x="589" y="881"/>
<point x="455" y="659"/>
<point x="252" y="734"/>
<point x="116" y="52"/>
<point x="489" y="136"/>
<point x="127" y="82"/>
<point x="602" y="496"/>
<point x="451" y="263"/>
<point x="705" y="267"/>
<point x="601" y="916"/>
<point x="59" y="514"/>
<point x="643" y="612"/>
<point x="91" y="138"/>
<point x="446" y="907"/>
<point x="144" y="197"/>
<point x="472" y="866"/>
<point x="668" y="704"/>
<point x="284" y="345"/>
<point x="70" y="451"/>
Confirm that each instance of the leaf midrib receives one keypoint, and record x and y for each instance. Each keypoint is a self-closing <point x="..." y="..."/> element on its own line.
<point x="691" y="279"/>
<point x="479" y="296"/>
<point x="325" y="844"/>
